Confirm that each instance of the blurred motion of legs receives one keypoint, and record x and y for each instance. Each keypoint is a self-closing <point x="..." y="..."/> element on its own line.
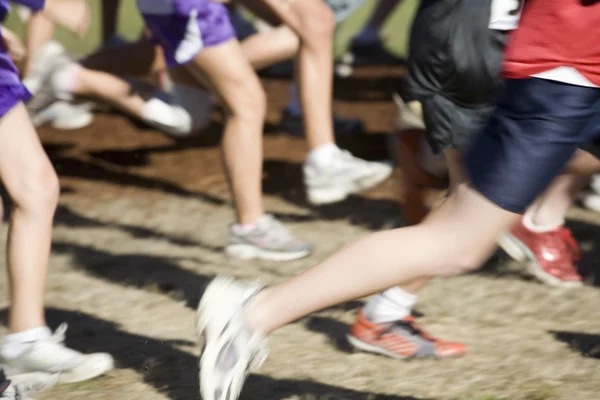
<point x="256" y="234"/>
<point x="366" y="48"/>
<point x="33" y="187"/>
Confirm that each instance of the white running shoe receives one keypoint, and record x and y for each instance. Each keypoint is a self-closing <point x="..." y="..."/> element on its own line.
<point x="50" y="355"/>
<point x="49" y="105"/>
<point x="229" y="350"/>
<point x="13" y="392"/>
<point x="595" y="183"/>
<point x="41" y="66"/>
<point x="168" y="118"/>
<point x="64" y="115"/>
<point x="591" y="201"/>
<point x="342" y="176"/>
<point x="19" y="387"/>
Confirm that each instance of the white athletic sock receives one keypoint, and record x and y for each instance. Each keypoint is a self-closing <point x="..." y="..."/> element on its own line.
<point x="392" y="305"/>
<point x="16" y="344"/>
<point x="530" y="225"/>
<point x="321" y="156"/>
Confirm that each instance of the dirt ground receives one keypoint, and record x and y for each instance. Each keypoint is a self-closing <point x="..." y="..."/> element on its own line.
<point x="139" y="231"/>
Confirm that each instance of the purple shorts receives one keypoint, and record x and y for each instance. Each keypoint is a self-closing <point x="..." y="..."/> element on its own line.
<point x="12" y="91"/>
<point x="34" y="5"/>
<point x="185" y="27"/>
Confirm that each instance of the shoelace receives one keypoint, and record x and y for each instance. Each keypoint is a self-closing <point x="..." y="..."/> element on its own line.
<point x="59" y="334"/>
<point x="413" y="327"/>
<point x="566" y="236"/>
<point x="273" y="230"/>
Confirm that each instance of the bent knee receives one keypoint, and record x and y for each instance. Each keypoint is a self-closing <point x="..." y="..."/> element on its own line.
<point x="37" y="189"/>
<point x="249" y="102"/>
<point x="317" y="24"/>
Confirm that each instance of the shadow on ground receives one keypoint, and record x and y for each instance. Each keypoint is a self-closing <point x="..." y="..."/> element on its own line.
<point x="173" y="371"/>
<point x="588" y="235"/>
<point x="368" y="88"/>
<point x="67" y="217"/>
<point x="153" y="273"/>
<point x="282" y="178"/>
<point x="586" y="344"/>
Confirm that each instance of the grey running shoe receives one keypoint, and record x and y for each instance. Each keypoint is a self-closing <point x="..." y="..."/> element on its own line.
<point x="269" y="240"/>
<point x="230" y="351"/>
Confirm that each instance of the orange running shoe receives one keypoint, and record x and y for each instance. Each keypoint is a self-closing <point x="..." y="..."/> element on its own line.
<point x="550" y="256"/>
<point x="402" y="339"/>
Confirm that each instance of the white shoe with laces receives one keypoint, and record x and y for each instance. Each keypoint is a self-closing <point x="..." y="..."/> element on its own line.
<point x="50" y="355"/>
<point x="230" y="351"/>
<point x="342" y="176"/>
<point x="19" y="387"/>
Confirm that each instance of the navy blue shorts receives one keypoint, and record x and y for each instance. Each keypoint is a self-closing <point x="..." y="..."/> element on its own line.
<point x="536" y="127"/>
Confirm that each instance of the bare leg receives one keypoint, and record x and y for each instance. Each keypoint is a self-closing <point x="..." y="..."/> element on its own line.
<point x="549" y="210"/>
<point x="240" y="89"/>
<point x="139" y="100"/>
<point x="73" y="15"/>
<point x="479" y="221"/>
<point x="33" y="187"/>
<point x="109" y="88"/>
<point x="39" y="30"/>
<point x="312" y="21"/>
<point x="268" y="48"/>
<point x="13" y="45"/>
<point x="457" y="179"/>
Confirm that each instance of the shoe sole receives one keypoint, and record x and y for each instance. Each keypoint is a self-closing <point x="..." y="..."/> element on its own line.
<point x="511" y="246"/>
<point x="519" y="252"/>
<point x="85" y="119"/>
<point x="250" y="252"/>
<point x="48" y="115"/>
<point x="358" y="344"/>
<point x="591" y="202"/>
<point x="36" y="382"/>
<point x="319" y="197"/>
<point x="74" y="377"/>
<point x="212" y="296"/>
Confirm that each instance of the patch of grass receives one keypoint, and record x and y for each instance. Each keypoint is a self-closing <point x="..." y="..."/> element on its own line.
<point x="483" y="398"/>
<point x="394" y="33"/>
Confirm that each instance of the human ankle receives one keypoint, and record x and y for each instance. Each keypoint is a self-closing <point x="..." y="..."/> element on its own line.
<point x="322" y="155"/>
<point x="256" y="313"/>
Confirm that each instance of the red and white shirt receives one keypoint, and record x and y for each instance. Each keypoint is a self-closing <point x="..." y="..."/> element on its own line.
<point x="557" y="40"/>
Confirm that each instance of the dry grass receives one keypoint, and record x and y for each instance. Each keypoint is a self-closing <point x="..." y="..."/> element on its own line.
<point x="139" y="232"/>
